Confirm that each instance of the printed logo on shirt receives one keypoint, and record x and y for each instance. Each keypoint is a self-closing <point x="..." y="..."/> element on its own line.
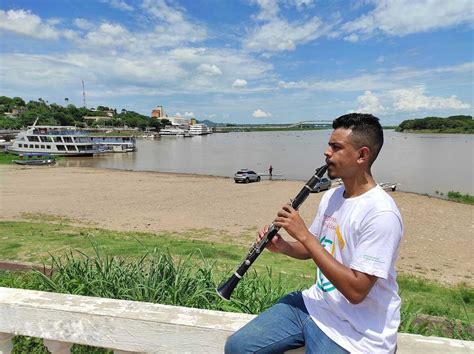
<point x="321" y="281"/>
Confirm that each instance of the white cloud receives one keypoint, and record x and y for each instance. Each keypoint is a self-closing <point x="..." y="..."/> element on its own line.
<point x="119" y="4"/>
<point x="402" y="17"/>
<point x="258" y="113"/>
<point x="239" y="83"/>
<point x="268" y="9"/>
<point x="108" y="35"/>
<point x="352" y="38"/>
<point x="279" y="35"/>
<point x="369" y="103"/>
<point x="27" y="24"/>
<point x="164" y="72"/>
<point x="414" y="99"/>
<point x="83" y="24"/>
<point x="385" y="79"/>
<point x="276" y="34"/>
<point x="380" y="59"/>
<point x="209" y="69"/>
<point x="176" y="28"/>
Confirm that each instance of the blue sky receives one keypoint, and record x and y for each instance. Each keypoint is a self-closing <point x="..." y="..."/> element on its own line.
<point x="243" y="61"/>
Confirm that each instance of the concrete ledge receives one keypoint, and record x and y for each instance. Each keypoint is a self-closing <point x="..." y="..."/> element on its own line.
<point x="145" y="327"/>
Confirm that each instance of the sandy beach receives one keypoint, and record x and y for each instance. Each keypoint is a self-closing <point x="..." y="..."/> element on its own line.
<point x="437" y="243"/>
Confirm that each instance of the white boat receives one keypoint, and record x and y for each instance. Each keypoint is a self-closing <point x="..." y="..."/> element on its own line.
<point x="53" y="140"/>
<point x="115" y="143"/>
<point x="175" y="131"/>
<point x="199" y="129"/>
<point x="67" y="141"/>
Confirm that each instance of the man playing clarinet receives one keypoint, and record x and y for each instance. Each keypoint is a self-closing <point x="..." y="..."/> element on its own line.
<point x="353" y="306"/>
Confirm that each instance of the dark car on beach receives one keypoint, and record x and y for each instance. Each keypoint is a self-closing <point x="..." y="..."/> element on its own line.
<point x="246" y="176"/>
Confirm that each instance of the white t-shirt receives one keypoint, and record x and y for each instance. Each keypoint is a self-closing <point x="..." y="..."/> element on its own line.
<point x="362" y="233"/>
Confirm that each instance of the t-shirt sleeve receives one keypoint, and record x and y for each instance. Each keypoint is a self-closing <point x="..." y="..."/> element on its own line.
<point x="378" y="244"/>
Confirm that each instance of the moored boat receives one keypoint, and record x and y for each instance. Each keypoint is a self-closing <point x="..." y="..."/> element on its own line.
<point x="67" y="141"/>
<point x="116" y="143"/>
<point x="199" y="129"/>
<point x="35" y="159"/>
<point x="175" y="131"/>
<point x="53" y="140"/>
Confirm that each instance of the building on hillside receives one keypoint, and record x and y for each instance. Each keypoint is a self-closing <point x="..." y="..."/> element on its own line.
<point x="158" y="113"/>
<point x="108" y="112"/>
<point x="181" y="121"/>
<point x="15" y="112"/>
<point x="18" y="110"/>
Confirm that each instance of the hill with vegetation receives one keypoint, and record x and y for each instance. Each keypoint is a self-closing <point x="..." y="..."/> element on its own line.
<point x="15" y="113"/>
<point x="453" y="124"/>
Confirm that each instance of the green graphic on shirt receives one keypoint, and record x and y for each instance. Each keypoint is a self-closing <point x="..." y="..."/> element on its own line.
<point x="325" y="286"/>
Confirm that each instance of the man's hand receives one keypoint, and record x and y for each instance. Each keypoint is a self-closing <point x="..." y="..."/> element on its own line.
<point x="275" y="245"/>
<point x="289" y="219"/>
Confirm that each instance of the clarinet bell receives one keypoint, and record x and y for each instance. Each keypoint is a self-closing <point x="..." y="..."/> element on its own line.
<point x="225" y="289"/>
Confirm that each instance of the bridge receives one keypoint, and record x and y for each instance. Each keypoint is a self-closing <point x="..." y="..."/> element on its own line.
<point x="308" y="124"/>
<point x="315" y="123"/>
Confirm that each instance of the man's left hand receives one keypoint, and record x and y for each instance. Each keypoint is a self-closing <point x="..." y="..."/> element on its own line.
<point x="290" y="219"/>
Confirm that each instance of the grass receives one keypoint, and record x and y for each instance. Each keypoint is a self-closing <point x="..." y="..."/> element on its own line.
<point x="156" y="268"/>
<point x="461" y="198"/>
<point x="34" y="241"/>
<point x="6" y="158"/>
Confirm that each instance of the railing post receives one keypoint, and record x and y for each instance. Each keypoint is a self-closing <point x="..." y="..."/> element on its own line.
<point x="57" y="347"/>
<point x="6" y="344"/>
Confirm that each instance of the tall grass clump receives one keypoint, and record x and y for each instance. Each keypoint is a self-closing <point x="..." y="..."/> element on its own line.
<point x="156" y="277"/>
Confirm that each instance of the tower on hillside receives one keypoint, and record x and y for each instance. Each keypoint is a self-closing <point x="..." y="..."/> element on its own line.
<point x="83" y="94"/>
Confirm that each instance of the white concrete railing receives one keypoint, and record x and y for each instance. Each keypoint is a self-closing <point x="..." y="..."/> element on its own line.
<point x="129" y="326"/>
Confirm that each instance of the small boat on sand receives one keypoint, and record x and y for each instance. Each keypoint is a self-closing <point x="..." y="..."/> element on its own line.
<point x="35" y="159"/>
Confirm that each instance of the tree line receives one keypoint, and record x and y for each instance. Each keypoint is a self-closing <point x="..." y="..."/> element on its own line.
<point x="69" y="114"/>
<point x="453" y="124"/>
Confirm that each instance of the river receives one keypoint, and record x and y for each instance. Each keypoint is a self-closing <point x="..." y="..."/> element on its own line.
<point x="420" y="163"/>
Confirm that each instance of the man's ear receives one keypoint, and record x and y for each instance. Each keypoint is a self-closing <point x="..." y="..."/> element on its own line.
<point x="364" y="154"/>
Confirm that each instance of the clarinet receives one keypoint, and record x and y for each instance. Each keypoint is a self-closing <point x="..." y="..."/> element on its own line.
<point x="225" y="289"/>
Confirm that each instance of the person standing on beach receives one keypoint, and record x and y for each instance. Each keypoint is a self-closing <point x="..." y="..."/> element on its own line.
<point x="270" y="171"/>
<point x="354" y="240"/>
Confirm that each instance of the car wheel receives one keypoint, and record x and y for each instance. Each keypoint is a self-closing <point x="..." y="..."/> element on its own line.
<point x="318" y="190"/>
<point x="258" y="179"/>
<point x="247" y="180"/>
<point x="236" y="181"/>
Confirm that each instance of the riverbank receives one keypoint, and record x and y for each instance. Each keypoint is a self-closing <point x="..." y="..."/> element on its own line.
<point x="437" y="244"/>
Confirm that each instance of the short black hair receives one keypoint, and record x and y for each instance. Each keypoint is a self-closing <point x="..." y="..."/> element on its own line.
<point x="366" y="131"/>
